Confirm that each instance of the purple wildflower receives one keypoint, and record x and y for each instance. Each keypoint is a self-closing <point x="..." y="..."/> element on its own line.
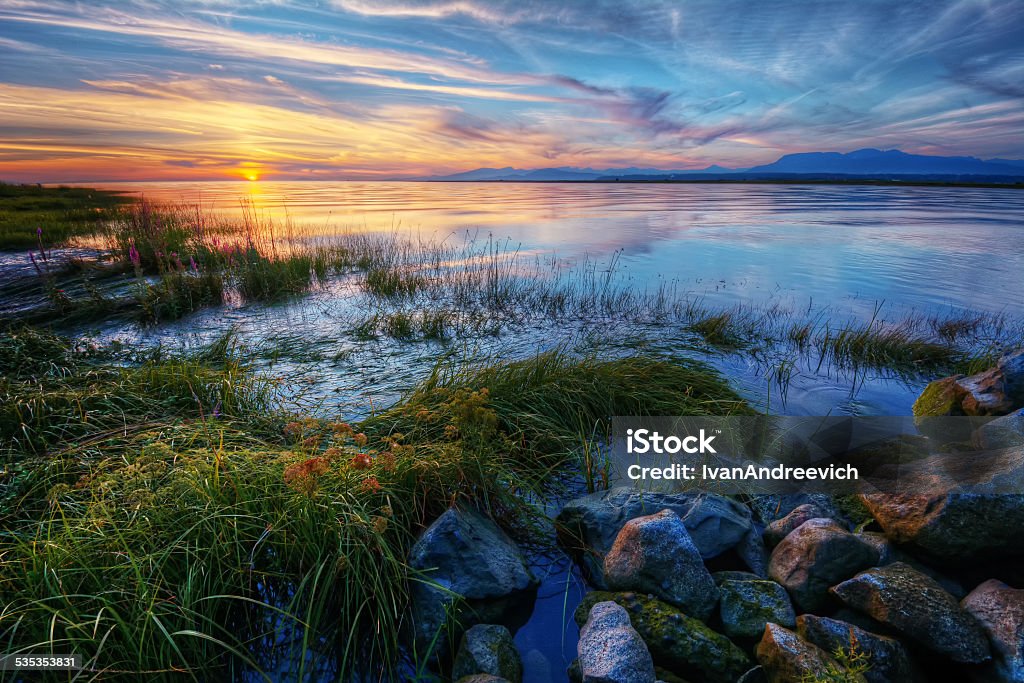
<point x="192" y="264"/>
<point x="134" y="255"/>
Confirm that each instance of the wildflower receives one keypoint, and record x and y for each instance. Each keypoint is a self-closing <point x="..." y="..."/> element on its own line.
<point x="359" y="439"/>
<point x="192" y="264"/>
<point x="341" y="428"/>
<point x="302" y="476"/>
<point x="371" y="485"/>
<point x="216" y="411"/>
<point x="134" y="255"/>
<point x="379" y="524"/>
<point x="361" y="461"/>
<point x="333" y="453"/>
<point x="386" y="461"/>
<point x="293" y="429"/>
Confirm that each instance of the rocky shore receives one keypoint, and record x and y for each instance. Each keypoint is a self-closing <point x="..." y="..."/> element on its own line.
<point x="798" y="588"/>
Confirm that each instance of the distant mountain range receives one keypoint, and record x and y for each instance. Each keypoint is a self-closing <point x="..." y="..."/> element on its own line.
<point x="863" y="163"/>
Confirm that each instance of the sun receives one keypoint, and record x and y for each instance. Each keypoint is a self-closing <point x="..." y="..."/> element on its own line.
<point x="252" y="177"/>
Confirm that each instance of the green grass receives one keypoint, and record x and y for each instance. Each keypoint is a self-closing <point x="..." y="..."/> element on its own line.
<point x="164" y="517"/>
<point x="60" y="213"/>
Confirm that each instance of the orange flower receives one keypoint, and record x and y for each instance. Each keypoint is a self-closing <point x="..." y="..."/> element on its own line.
<point x="359" y="439"/>
<point x="370" y="485"/>
<point x="361" y="461"/>
<point x="301" y="476"/>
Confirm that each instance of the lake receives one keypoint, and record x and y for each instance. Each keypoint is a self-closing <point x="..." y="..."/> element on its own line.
<point x="832" y="252"/>
<point x="836" y="252"/>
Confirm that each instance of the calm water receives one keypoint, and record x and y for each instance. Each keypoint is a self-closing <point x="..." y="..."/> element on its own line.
<point x="846" y="246"/>
<point x="843" y="251"/>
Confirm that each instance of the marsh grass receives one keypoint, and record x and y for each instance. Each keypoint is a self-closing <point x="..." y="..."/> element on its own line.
<point x="59" y="213"/>
<point x="163" y="517"/>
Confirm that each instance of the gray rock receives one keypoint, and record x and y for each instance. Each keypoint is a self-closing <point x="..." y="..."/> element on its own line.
<point x="888" y="658"/>
<point x="679" y="643"/>
<point x="780" y="528"/>
<point x="465" y="553"/>
<point x="590" y="524"/>
<point x="482" y="678"/>
<point x="788" y="658"/>
<point x="1000" y="611"/>
<point x="888" y="553"/>
<point x="915" y="604"/>
<point x="610" y="650"/>
<point x="957" y="508"/>
<point x="815" y="556"/>
<point x="747" y="606"/>
<point x="1002" y="432"/>
<point x="771" y="507"/>
<point x="732" y="575"/>
<point x="488" y="649"/>
<point x="654" y="554"/>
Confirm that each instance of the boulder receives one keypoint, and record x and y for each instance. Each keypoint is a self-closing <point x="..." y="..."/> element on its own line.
<point x="610" y="650"/>
<point x="732" y="575"/>
<point x="677" y="642"/>
<point x="956" y="508"/>
<point x="815" y="556"/>
<point x="888" y="553"/>
<point x="654" y="554"/>
<point x="1000" y="611"/>
<point x="788" y="658"/>
<point x="716" y="524"/>
<point x="1002" y="432"/>
<point x="915" y="605"/>
<point x="488" y="649"/>
<point x="780" y="528"/>
<point x="887" y="657"/>
<point x="996" y="391"/>
<point x="771" y="507"/>
<point x="466" y="554"/>
<point x="746" y="607"/>
<point x="481" y="678"/>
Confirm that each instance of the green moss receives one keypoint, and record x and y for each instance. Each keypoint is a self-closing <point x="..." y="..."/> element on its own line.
<point x="940" y="398"/>
<point x="683" y="645"/>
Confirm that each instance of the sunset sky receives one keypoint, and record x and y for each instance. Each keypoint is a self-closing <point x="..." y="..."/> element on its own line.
<point x="220" y="89"/>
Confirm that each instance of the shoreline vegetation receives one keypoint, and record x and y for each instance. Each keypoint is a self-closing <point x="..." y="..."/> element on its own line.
<point x="168" y="513"/>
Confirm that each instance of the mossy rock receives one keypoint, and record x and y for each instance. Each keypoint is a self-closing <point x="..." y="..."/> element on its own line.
<point x="941" y="398"/>
<point x="679" y="643"/>
<point x="747" y="606"/>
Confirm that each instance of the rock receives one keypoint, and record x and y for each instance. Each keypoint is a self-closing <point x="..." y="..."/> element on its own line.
<point x="482" y="678"/>
<point x="1002" y="432"/>
<point x="746" y="606"/>
<point x="915" y="604"/>
<point x="1000" y="611"/>
<point x="610" y="650"/>
<point x="889" y="553"/>
<point x="957" y="508"/>
<point x="771" y="507"/>
<point x="887" y="657"/>
<point x="780" y="528"/>
<point x="465" y="553"/>
<point x="590" y="524"/>
<point x="677" y="642"/>
<point x="731" y="575"/>
<point x="815" y="556"/>
<point x="996" y="391"/>
<point x="788" y="658"/>
<point x="654" y="554"/>
<point x="488" y="649"/>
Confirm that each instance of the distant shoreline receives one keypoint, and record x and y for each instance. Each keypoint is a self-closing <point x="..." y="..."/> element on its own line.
<point x="1019" y="184"/>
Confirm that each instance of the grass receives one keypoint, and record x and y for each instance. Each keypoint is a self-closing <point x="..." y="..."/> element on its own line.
<point x="60" y="213"/>
<point x="164" y="517"/>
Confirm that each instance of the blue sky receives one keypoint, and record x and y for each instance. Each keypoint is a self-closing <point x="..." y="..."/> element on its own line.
<point x="141" y="89"/>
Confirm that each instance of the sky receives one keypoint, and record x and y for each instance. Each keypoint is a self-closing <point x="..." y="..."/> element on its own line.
<point x="346" y="89"/>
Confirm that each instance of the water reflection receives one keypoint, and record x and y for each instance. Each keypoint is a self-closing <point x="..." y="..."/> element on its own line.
<point x="921" y="248"/>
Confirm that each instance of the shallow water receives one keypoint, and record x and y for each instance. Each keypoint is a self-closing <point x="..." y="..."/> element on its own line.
<point x="852" y="246"/>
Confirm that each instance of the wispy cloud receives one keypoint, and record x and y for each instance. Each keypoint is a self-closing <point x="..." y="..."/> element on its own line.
<point x="405" y="87"/>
